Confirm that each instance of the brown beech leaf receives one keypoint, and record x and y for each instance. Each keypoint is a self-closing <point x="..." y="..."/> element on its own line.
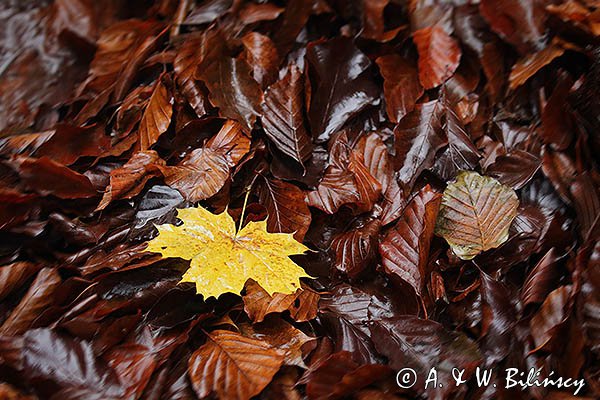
<point x="281" y="335"/>
<point x="302" y="305"/>
<point x="188" y="57"/>
<point x="129" y="180"/>
<point x="49" y="177"/>
<point x="541" y="279"/>
<point x="286" y="208"/>
<point x="394" y="201"/>
<point x="283" y="116"/>
<point x="553" y="313"/>
<point x="341" y="87"/>
<point x="347" y="181"/>
<point x="401" y="85"/>
<point x="418" y="136"/>
<point x="233" y="366"/>
<point x="68" y="143"/>
<point x="12" y="276"/>
<point x="376" y="158"/>
<point x="521" y="23"/>
<point x="557" y="118"/>
<point x="532" y="63"/>
<point x="515" y="169"/>
<point x="339" y="376"/>
<point x="39" y="297"/>
<point x="586" y="201"/>
<point x="230" y="84"/>
<point x="157" y="117"/>
<point x="405" y="248"/>
<point x="262" y="57"/>
<point x="461" y="153"/>
<point x="356" y="249"/>
<point x="475" y="214"/>
<point x="439" y="55"/>
<point x="252" y="12"/>
<point x="204" y="171"/>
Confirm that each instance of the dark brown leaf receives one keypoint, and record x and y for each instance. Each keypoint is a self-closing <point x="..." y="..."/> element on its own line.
<point x="417" y="138"/>
<point x="357" y="249"/>
<point x="286" y="208"/>
<point x="262" y="56"/>
<point x="341" y="86"/>
<point x="405" y="248"/>
<point x="283" y="116"/>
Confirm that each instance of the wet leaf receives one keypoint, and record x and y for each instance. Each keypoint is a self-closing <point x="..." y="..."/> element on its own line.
<point x="223" y="259"/>
<point x="439" y="55"/>
<point x="401" y="85"/>
<point x="233" y="366"/>
<point x="283" y="116"/>
<point x="157" y="117"/>
<point x="475" y="214"/>
<point x="405" y="247"/>
<point x="341" y="85"/>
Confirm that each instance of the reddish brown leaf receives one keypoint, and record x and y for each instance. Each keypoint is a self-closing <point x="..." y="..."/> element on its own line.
<point x="157" y="117"/>
<point x="258" y="303"/>
<point x="253" y="12"/>
<point x="283" y="116"/>
<point x="204" y="171"/>
<point x="346" y="181"/>
<point x="281" y="335"/>
<point x="233" y="366"/>
<point x="553" y="313"/>
<point x="68" y="143"/>
<point x="515" y="169"/>
<point x="230" y="84"/>
<point x="519" y="22"/>
<point x="401" y="86"/>
<point x="541" y="279"/>
<point x="38" y="298"/>
<point x="129" y="180"/>
<point x="49" y="177"/>
<point x="405" y="247"/>
<point x="376" y="158"/>
<point x="262" y="56"/>
<point x="532" y="63"/>
<point x="339" y="376"/>
<point x="418" y="136"/>
<point x="439" y="55"/>
<point x="286" y="208"/>
<point x="12" y="276"/>
<point x="557" y="120"/>
<point x="189" y="56"/>
<point x="356" y="249"/>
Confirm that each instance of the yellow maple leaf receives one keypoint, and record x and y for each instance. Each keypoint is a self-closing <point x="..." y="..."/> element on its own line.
<point x="222" y="260"/>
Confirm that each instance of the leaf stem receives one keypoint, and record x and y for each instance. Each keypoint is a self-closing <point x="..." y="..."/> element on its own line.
<point x="243" y="209"/>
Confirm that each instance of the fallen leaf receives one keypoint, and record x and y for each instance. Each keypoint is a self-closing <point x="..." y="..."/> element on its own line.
<point x="357" y="249"/>
<point x="204" y="171"/>
<point x="401" y="85"/>
<point x="405" y="248"/>
<point x="475" y="214"/>
<point x="341" y="85"/>
<point x="233" y="366"/>
<point x="302" y="304"/>
<point x="283" y="116"/>
<point x="439" y="55"/>
<point x="157" y="117"/>
<point x="222" y="260"/>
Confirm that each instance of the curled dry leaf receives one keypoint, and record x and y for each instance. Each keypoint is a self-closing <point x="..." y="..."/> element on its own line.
<point x="475" y="214"/>
<point x="223" y="259"/>
<point x="439" y="55"/>
<point x="233" y="366"/>
<point x="405" y="248"/>
<point x="204" y="171"/>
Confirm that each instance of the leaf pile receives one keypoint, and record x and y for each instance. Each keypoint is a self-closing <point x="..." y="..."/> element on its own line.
<point x="438" y="158"/>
